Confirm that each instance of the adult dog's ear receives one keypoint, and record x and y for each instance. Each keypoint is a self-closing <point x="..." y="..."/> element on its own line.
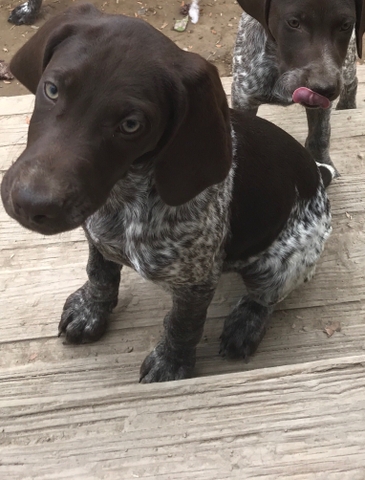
<point x="360" y="24"/>
<point x="198" y="153"/>
<point x="29" y="62"/>
<point x="258" y="9"/>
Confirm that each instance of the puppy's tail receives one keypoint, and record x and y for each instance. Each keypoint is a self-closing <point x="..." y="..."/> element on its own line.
<point x="328" y="173"/>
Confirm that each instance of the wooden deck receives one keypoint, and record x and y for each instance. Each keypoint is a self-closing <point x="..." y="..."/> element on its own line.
<point x="296" y="411"/>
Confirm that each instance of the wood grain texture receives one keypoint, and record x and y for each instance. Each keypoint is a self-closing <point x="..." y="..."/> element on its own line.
<point x="294" y="422"/>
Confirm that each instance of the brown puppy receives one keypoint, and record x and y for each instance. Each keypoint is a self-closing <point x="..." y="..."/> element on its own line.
<point x="132" y="138"/>
<point x="299" y="51"/>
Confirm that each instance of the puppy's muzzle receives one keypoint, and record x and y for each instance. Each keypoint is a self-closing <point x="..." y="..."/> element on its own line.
<point x="32" y="207"/>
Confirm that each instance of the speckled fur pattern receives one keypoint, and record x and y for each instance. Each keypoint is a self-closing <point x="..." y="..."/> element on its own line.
<point x="26" y="13"/>
<point x="291" y="259"/>
<point x="182" y="249"/>
<point x="256" y="81"/>
<point x="270" y="276"/>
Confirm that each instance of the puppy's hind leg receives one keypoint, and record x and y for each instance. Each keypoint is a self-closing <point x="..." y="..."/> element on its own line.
<point x="86" y="311"/>
<point x="244" y="329"/>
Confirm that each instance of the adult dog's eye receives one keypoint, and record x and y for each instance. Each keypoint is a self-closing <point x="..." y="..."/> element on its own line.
<point x="51" y="90"/>
<point x="346" y="26"/>
<point x="293" y="23"/>
<point x="131" y="125"/>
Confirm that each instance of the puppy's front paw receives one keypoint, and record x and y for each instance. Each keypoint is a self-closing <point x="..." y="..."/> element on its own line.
<point x="162" y="365"/>
<point x="23" y="15"/>
<point x="83" y="319"/>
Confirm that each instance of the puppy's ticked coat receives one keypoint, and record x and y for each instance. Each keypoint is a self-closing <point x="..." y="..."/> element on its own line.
<point x="132" y="138"/>
<point x="301" y="51"/>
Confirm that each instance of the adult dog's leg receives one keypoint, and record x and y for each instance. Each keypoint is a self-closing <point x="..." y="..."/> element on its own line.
<point x="26" y="13"/>
<point x="86" y="311"/>
<point x="174" y="356"/>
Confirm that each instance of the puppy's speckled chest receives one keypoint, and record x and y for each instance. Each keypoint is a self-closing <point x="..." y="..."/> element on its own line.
<point x="164" y="244"/>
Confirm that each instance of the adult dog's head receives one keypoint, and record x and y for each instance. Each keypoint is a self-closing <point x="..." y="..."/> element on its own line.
<point x="111" y="91"/>
<point x="312" y="38"/>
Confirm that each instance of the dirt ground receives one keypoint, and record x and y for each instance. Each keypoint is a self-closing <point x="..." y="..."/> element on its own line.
<point x="212" y="37"/>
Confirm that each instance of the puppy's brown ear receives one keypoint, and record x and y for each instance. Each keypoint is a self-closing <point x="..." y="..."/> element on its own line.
<point x="258" y="9"/>
<point x="360" y="24"/>
<point x="29" y="62"/>
<point x="198" y="153"/>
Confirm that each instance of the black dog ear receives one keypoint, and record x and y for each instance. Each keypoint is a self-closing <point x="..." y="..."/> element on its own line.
<point x="29" y="62"/>
<point x="360" y="25"/>
<point x="258" y="9"/>
<point x="198" y="153"/>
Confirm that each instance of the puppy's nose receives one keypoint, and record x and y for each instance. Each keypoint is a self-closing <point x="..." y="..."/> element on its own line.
<point x="33" y="206"/>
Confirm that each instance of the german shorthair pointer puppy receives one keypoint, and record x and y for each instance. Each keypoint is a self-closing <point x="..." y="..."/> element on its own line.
<point x="132" y="138"/>
<point x="300" y="51"/>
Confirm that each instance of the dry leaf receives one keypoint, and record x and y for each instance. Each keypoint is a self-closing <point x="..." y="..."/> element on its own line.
<point x="331" y="328"/>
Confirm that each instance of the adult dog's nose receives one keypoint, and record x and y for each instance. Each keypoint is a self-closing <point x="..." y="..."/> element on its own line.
<point x="33" y="207"/>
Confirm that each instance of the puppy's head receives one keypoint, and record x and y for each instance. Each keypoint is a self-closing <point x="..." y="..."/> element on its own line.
<point x="111" y="91"/>
<point x="312" y="38"/>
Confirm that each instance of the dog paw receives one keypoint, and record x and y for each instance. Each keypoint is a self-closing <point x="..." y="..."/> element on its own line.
<point x="23" y="15"/>
<point x="243" y="330"/>
<point x="236" y="344"/>
<point x="163" y="366"/>
<point x="83" y="319"/>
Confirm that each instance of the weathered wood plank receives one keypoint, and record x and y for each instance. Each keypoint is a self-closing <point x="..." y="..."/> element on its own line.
<point x="23" y="104"/>
<point x="17" y="105"/>
<point x="345" y="124"/>
<point x="301" y="422"/>
<point x="347" y="153"/>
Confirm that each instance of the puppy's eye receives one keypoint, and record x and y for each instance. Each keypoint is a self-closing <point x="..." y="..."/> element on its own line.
<point x="131" y="125"/>
<point x="346" y="26"/>
<point x="51" y="90"/>
<point x="293" y="23"/>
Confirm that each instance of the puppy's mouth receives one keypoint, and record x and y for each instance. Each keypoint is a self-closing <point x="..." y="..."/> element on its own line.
<point x="310" y="99"/>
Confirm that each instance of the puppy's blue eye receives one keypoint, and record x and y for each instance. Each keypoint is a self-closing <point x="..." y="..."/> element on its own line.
<point x="51" y="90"/>
<point x="130" y="125"/>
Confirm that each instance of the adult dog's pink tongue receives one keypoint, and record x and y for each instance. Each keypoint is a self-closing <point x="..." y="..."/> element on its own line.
<point x="305" y="96"/>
